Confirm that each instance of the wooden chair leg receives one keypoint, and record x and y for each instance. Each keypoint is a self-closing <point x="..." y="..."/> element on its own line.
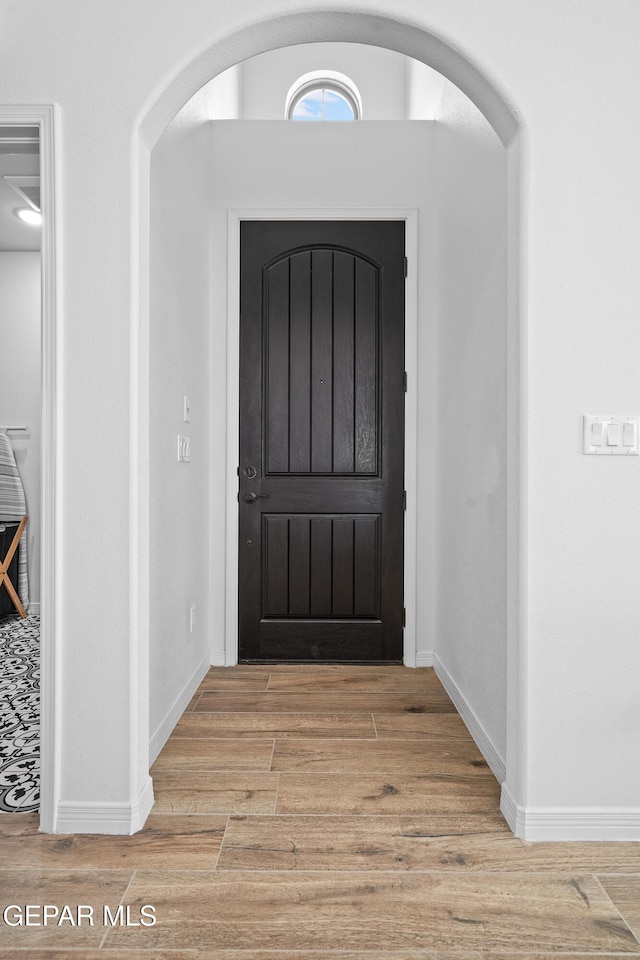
<point x="4" y="578"/>
<point x="4" y="569"/>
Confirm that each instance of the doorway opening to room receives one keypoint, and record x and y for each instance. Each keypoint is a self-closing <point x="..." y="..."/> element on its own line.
<point x="20" y="466"/>
<point x="417" y="150"/>
<point x="28" y="392"/>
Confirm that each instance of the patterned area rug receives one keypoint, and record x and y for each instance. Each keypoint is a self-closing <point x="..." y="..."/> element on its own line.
<point x="19" y="714"/>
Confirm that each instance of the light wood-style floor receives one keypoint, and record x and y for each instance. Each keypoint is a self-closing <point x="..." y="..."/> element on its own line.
<point x="323" y="813"/>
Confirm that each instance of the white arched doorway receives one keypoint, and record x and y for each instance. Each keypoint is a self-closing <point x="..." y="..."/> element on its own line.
<point x="254" y="40"/>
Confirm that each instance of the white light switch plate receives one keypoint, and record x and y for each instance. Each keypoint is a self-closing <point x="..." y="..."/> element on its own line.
<point x="611" y="436"/>
<point x="184" y="449"/>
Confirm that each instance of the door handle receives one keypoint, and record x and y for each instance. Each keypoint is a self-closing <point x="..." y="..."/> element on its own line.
<point x="250" y="497"/>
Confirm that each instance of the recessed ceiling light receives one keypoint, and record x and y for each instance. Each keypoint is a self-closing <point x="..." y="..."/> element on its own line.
<point x="29" y="216"/>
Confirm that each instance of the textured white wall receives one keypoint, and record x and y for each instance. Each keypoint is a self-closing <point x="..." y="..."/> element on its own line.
<point x="471" y="459"/>
<point x="425" y="88"/>
<point x="219" y="99"/>
<point x="20" y="342"/>
<point x="583" y="287"/>
<point x="179" y="352"/>
<point x="580" y="291"/>
<point x="180" y="345"/>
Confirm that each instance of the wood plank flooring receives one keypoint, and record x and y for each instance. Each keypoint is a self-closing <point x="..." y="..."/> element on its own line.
<point x="323" y="813"/>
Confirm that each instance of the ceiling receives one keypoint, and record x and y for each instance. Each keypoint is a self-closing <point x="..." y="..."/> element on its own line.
<point x="19" y="161"/>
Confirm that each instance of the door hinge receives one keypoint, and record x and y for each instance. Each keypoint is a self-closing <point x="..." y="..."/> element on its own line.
<point x="404" y="616"/>
<point x="404" y="380"/>
<point x="404" y="499"/>
<point x="406" y="267"/>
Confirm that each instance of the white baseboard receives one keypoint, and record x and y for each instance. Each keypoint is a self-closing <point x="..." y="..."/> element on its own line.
<point x="424" y="658"/>
<point x="570" y="823"/>
<point x="165" y="729"/>
<point x="473" y="725"/>
<point x="218" y="659"/>
<point x="510" y="811"/>
<point x="110" y="818"/>
<point x="34" y="609"/>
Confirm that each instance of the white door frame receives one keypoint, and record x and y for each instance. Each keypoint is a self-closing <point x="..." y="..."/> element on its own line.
<point x="45" y="117"/>
<point x="235" y="216"/>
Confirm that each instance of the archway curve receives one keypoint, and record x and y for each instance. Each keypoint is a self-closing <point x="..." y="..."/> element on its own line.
<point x="331" y="26"/>
<point x="415" y="41"/>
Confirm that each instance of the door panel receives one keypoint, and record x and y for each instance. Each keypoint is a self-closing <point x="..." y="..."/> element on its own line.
<point x="322" y="427"/>
<point x="321" y="403"/>
<point x="320" y="566"/>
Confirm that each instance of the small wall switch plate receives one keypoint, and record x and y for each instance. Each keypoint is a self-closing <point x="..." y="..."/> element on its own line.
<point x="184" y="449"/>
<point x="607" y="436"/>
<point x="192" y="618"/>
<point x="187" y="409"/>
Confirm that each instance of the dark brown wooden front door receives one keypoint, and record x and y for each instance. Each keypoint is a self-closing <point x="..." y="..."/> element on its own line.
<point x="321" y="472"/>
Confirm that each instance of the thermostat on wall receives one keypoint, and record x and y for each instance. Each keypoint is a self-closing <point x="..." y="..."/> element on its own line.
<point x="609" y="436"/>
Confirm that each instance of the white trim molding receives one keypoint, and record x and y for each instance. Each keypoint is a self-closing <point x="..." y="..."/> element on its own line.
<point x="111" y="818"/>
<point x="410" y="216"/>
<point x="570" y="823"/>
<point x="483" y="740"/>
<point x="165" y="728"/>
<point x="509" y="809"/>
<point x="424" y="658"/>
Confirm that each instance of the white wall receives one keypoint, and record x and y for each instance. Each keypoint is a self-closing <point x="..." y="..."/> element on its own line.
<point x="471" y="502"/>
<point x="379" y="75"/>
<point x="425" y="88"/>
<point x="220" y="99"/>
<point x="583" y="529"/>
<point x="20" y="341"/>
<point x="179" y="492"/>
<point x="322" y="166"/>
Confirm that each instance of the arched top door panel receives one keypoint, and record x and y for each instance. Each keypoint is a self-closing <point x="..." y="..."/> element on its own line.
<point x="321" y="358"/>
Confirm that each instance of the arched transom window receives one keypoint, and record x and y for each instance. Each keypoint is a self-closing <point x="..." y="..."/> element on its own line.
<point x="323" y="95"/>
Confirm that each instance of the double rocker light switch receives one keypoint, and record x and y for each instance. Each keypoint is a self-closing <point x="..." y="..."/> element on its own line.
<point x="184" y="449"/>
<point x="611" y="435"/>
